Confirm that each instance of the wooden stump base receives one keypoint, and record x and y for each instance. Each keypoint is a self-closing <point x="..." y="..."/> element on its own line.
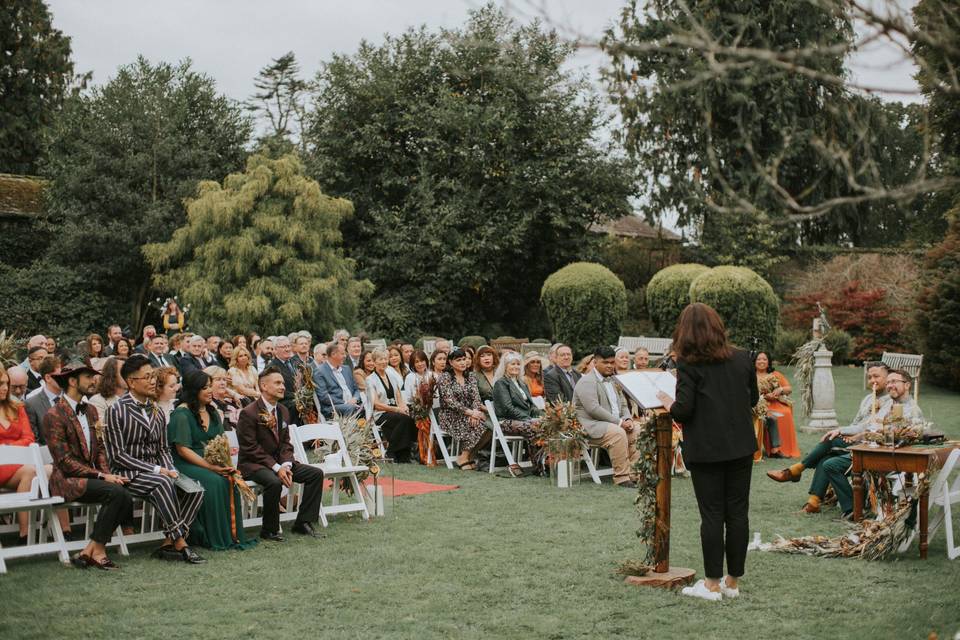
<point x="670" y="579"/>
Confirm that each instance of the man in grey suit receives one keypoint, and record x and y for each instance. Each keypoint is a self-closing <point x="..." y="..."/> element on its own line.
<point x="560" y="379"/>
<point x="40" y="400"/>
<point x="603" y="412"/>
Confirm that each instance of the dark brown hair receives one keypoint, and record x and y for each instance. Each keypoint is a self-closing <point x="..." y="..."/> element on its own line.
<point x="700" y="336"/>
<point x="483" y="350"/>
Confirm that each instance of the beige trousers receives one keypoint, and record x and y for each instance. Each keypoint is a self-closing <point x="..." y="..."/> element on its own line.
<point x="622" y="447"/>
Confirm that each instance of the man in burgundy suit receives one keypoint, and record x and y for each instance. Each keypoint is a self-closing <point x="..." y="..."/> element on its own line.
<point x="80" y="470"/>
<point x="266" y="457"/>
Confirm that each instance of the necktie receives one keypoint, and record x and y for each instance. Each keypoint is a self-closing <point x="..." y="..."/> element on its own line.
<point x="276" y="424"/>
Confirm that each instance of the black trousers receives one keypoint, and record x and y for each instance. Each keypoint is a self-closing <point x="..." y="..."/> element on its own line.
<point x="400" y="431"/>
<point x="116" y="507"/>
<point x="312" y="480"/>
<point x="723" y="496"/>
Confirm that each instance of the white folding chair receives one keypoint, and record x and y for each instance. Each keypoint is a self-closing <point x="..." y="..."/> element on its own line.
<point x="943" y="494"/>
<point x="590" y="454"/>
<point x="511" y="446"/>
<point x="330" y="432"/>
<point x="252" y="517"/>
<point x="437" y="434"/>
<point x="38" y="502"/>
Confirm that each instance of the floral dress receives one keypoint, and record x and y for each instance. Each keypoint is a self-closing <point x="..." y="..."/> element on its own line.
<point x="455" y="400"/>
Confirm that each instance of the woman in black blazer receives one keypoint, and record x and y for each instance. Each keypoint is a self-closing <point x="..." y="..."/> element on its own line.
<point x="716" y="393"/>
<point x="513" y="404"/>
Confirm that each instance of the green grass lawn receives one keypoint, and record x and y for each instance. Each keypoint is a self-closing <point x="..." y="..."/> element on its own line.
<point x="502" y="558"/>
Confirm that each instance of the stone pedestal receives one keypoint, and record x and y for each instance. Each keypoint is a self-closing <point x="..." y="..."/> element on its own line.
<point x="823" y="417"/>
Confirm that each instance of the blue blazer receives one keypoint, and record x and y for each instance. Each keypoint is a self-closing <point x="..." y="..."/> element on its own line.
<point x="330" y="394"/>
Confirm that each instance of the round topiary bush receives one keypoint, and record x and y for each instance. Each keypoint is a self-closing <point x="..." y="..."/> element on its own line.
<point x="475" y="342"/>
<point x="747" y="303"/>
<point x="668" y="292"/>
<point x="586" y="304"/>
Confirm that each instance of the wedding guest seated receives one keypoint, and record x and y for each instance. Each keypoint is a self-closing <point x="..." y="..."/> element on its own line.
<point x="239" y="341"/>
<point x="219" y="524"/>
<point x="603" y="412"/>
<point x="334" y="385"/>
<point x="485" y="368"/>
<point x="15" y="431"/>
<point x="157" y="352"/>
<point x="319" y="354"/>
<point x="264" y="351"/>
<point x="354" y="351"/>
<point x="622" y="357"/>
<point x="32" y="366"/>
<point x="533" y="366"/>
<point x="40" y="400"/>
<point x="137" y="449"/>
<point x="227" y="401"/>
<point x="396" y="362"/>
<point x="80" y="472"/>
<point x="284" y="363"/>
<point x="110" y="386"/>
<point x="266" y="457"/>
<point x="390" y="412"/>
<point x="641" y="359"/>
<point x="33" y="343"/>
<point x="224" y="354"/>
<point x="461" y="414"/>
<point x="301" y="348"/>
<point x="243" y="375"/>
<point x="149" y="332"/>
<point x="420" y="375"/>
<point x="18" y="382"/>
<point x="828" y="459"/>
<point x="122" y="349"/>
<point x="94" y="350"/>
<point x="362" y="370"/>
<point x="406" y="350"/>
<point x="168" y="387"/>
<point x="560" y="379"/>
<point x="210" y="350"/>
<point x="513" y="402"/>
<point x="193" y="359"/>
<point x="775" y="389"/>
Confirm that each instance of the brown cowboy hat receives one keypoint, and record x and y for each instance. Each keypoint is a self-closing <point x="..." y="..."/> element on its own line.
<point x="73" y="369"/>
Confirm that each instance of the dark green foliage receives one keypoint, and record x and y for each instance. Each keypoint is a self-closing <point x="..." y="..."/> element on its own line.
<point x="840" y="343"/>
<point x="787" y="343"/>
<point x="470" y="157"/>
<point x="746" y="302"/>
<point x="472" y="341"/>
<point x="263" y="253"/>
<point x="586" y="304"/>
<point x="938" y="309"/>
<point x="668" y="292"/>
<point x="122" y="159"/>
<point x="35" y="73"/>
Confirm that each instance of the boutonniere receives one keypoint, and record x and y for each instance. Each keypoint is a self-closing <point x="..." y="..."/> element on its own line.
<point x="100" y="429"/>
<point x="268" y="421"/>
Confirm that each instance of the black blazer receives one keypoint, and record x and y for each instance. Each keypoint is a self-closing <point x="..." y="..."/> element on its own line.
<point x="556" y="386"/>
<point x="715" y="406"/>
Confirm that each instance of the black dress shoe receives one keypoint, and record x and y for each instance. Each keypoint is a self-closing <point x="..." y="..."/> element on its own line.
<point x="190" y="556"/>
<point x="306" y="529"/>
<point x="79" y="561"/>
<point x="272" y="536"/>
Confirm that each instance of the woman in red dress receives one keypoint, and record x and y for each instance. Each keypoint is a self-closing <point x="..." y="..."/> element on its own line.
<point x="15" y="431"/>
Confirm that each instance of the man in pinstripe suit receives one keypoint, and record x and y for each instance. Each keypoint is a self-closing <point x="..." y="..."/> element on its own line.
<point x="136" y="443"/>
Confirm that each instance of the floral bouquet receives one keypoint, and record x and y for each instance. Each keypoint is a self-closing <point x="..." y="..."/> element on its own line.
<point x="303" y="395"/>
<point x="770" y="383"/>
<point x="561" y="434"/>
<point x="217" y="451"/>
<point x="421" y="402"/>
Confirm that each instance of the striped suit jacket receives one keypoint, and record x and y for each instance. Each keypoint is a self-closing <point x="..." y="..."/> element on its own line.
<point x="136" y="444"/>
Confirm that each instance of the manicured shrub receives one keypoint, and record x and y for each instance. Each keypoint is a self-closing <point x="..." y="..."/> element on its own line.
<point x="787" y="343"/>
<point x="586" y="304"/>
<point x="840" y="343"/>
<point x="938" y="309"/>
<point x="668" y="292"/>
<point x="472" y="341"/>
<point x="747" y="303"/>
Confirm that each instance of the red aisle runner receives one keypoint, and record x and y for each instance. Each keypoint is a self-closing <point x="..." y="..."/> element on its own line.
<point x="407" y="487"/>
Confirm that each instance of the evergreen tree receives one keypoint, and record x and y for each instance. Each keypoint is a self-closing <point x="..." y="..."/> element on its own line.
<point x="470" y="157"/>
<point x="35" y="73"/>
<point x="279" y="103"/>
<point x="262" y="252"/>
<point x="938" y="309"/>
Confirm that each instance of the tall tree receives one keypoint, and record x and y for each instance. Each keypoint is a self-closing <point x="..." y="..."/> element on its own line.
<point x="35" y="73"/>
<point x="122" y="159"/>
<point x="279" y="103"/>
<point x="471" y="158"/>
<point x="263" y="252"/>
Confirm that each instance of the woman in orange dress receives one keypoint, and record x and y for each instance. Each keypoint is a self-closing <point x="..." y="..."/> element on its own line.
<point x="15" y="431"/>
<point x="533" y="373"/>
<point x="778" y="402"/>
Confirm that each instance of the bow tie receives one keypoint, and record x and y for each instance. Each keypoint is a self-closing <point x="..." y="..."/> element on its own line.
<point x="146" y="406"/>
<point x="81" y="408"/>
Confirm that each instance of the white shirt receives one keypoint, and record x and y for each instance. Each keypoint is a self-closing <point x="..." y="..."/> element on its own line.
<point x="611" y="394"/>
<point x="81" y="418"/>
<point x="338" y="376"/>
<point x="272" y="410"/>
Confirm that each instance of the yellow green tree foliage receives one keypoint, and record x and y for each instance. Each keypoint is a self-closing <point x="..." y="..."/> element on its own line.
<point x="262" y="252"/>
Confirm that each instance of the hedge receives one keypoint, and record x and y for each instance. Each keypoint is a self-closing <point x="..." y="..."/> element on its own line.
<point x="668" y="292"/>
<point x="586" y="304"/>
<point x="472" y="341"/>
<point x="747" y="303"/>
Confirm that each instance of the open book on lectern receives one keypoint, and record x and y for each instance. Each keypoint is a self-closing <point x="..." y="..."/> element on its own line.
<point x="642" y="386"/>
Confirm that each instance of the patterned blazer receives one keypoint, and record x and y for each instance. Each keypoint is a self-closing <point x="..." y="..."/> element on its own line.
<point x="73" y="461"/>
<point x="136" y="444"/>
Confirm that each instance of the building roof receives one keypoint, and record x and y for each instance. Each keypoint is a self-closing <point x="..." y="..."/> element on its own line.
<point x="21" y="196"/>
<point x="633" y="226"/>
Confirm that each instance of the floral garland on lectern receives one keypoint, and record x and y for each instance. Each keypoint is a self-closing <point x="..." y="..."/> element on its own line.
<point x="647" y="480"/>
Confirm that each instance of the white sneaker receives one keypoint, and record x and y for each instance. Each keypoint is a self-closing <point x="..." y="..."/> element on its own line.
<point x="727" y="591"/>
<point x="699" y="590"/>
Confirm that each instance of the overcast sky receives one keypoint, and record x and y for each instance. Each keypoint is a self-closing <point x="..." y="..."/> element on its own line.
<point x="231" y="40"/>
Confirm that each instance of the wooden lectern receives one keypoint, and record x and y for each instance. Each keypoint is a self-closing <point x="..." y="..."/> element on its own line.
<point x="663" y="574"/>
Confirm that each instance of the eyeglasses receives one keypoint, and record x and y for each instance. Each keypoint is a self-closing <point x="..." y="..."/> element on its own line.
<point x="896" y="380"/>
<point x="149" y="376"/>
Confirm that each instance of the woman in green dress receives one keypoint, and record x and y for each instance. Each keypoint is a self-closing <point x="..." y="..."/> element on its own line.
<point x="218" y="525"/>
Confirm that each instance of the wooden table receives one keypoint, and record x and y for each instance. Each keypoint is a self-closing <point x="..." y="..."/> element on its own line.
<point x="915" y="459"/>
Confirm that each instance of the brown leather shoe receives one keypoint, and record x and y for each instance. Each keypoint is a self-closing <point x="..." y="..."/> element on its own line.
<point x="810" y="508"/>
<point x="783" y="475"/>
